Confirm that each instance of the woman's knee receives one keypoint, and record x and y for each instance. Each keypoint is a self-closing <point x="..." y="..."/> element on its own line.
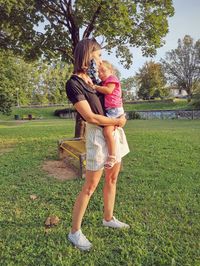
<point x="89" y="188"/>
<point x="91" y="182"/>
<point x="111" y="179"/>
<point x="112" y="175"/>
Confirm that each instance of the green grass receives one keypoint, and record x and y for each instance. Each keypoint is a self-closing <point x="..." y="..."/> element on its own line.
<point x="176" y="105"/>
<point x="158" y="195"/>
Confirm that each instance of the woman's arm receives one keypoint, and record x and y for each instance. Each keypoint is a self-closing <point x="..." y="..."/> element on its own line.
<point x="108" y="89"/>
<point x="85" y="111"/>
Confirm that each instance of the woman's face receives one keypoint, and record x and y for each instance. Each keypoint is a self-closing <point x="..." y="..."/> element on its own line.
<point x="96" y="55"/>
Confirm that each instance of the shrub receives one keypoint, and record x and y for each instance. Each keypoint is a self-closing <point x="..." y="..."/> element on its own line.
<point x="133" y="115"/>
<point x="64" y="112"/>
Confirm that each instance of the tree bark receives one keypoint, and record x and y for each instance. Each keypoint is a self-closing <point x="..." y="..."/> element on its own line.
<point x="79" y="127"/>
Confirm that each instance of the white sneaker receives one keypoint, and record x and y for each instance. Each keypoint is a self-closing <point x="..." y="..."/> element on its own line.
<point x="114" y="223"/>
<point x="79" y="240"/>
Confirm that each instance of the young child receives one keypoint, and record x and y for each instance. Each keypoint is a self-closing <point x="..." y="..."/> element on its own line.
<point x="111" y="87"/>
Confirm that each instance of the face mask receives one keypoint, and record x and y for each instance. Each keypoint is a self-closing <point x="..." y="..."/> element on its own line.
<point x="93" y="73"/>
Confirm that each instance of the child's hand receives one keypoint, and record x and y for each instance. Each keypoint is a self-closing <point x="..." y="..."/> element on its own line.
<point x="90" y="83"/>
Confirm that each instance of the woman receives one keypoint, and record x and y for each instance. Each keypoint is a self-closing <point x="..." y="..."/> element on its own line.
<point x="88" y="105"/>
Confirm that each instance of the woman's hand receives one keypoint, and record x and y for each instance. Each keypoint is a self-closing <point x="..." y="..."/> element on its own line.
<point x="85" y="111"/>
<point x="122" y="121"/>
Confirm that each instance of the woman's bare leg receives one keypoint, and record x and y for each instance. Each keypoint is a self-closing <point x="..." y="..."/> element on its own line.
<point x="109" y="190"/>
<point x="91" y="181"/>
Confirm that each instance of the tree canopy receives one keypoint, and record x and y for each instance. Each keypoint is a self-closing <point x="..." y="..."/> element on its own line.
<point x="47" y="28"/>
<point x="151" y="81"/>
<point x="25" y="83"/>
<point x="182" y="65"/>
<point x="116" y="24"/>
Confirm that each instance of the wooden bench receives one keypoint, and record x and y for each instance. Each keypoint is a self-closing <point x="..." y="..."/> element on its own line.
<point x="73" y="152"/>
<point x="28" y="117"/>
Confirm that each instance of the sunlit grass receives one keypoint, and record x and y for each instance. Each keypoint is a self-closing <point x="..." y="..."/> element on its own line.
<point x="158" y="195"/>
<point x="176" y="105"/>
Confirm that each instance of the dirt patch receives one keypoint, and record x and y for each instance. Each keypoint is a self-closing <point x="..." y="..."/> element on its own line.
<point x="4" y="150"/>
<point x="21" y="121"/>
<point x="59" y="169"/>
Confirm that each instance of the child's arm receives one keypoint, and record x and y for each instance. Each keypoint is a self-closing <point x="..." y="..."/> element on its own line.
<point x="108" y="89"/>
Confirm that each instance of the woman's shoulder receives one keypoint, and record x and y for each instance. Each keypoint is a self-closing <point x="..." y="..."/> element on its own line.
<point x="72" y="80"/>
<point x="75" y="84"/>
<point x="72" y="86"/>
<point x="74" y="90"/>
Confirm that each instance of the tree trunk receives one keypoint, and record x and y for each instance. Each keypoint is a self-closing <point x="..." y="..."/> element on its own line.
<point x="189" y="91"/>
<point x="79" y="127"/>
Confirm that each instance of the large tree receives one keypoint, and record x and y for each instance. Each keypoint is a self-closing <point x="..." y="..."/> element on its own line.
<point x="151" y="81"/>
<point x="15" y="81"/>
<point x="49" y="81"/>
<point x="128" y="84"/>
<point x="25" y="83"/>
<point x="117" y="24"/>
<point x="182" y="65"/>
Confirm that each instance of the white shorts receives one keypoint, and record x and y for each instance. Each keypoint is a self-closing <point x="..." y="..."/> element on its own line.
<point x="114" y="112"/>
<point x="96" y="147"/>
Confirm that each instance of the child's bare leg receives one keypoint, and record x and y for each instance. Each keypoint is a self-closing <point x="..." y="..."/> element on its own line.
<point x="108" y="130"/>
<point x="108" y="134"/>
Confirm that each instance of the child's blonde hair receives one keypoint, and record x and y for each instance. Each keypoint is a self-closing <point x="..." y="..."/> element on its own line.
<point x="109" y="66"/>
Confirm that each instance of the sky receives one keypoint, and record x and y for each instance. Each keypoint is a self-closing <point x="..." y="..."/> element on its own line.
<point x="186" y="21"/>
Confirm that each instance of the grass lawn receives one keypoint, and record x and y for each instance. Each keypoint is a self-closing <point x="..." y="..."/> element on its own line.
<point x="158" y="195"/>
<point x="178" y="104"/>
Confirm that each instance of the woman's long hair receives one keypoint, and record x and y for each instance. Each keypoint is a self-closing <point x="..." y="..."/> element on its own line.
<point x="82" y="54"/>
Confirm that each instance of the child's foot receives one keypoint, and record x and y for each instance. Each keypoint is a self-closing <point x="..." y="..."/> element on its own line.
<point x="111" y="161"/>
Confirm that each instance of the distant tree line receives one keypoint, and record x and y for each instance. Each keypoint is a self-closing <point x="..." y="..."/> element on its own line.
<point x="43" y="82"/>
<point x="180" y="69"/>
<point x="29" y="83"/>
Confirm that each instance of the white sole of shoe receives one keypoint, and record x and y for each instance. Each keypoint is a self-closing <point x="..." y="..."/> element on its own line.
<point x="83" y="248"/>
<point x="122" y="227"/>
